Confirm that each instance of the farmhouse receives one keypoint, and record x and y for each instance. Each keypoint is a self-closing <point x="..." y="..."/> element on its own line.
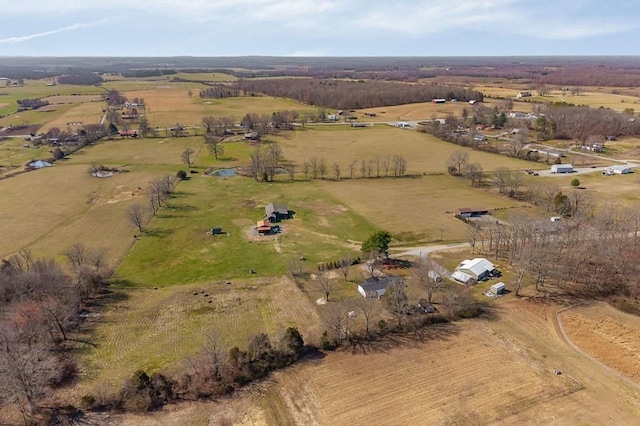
<point x="402" y="124"/>
<point x="562" y="168"/>
<point x="276" y="212"/>
<point x="263" y="227"/>
<point x="523" y="95"/>
<point x="252" y="136"/>
<point x="479" y="268"/>
<point x="467" y="212"/>
<point x="376" y="286"/>
<point x="438" y="101"/>
<point x="463" y="278"/>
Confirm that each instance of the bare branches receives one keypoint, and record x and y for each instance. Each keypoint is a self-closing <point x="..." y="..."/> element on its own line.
<point x="137" y="216"/>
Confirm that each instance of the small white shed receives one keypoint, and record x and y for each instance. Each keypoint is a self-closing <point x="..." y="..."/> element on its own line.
<point x="562" y="168"/>
<point x="497" y="288"/>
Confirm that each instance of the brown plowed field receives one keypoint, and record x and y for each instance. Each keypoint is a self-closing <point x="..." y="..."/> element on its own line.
<point x="487" y="372"/>
<point x="474" y="372"/>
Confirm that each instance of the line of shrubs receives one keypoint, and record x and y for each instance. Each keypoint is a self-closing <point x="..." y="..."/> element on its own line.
<point x="211" y="373"/>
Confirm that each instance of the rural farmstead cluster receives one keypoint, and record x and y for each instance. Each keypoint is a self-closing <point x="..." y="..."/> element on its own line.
<point x="203" y="232"/>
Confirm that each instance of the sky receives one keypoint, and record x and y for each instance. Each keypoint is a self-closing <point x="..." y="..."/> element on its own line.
<point x="318" y="28"/>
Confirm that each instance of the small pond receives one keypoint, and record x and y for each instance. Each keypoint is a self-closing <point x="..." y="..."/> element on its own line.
<point x="224" y="172"/>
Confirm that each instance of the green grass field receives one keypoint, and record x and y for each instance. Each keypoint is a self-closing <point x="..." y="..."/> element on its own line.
<point x="33" y="89"/>
<point x="171" y="281"/>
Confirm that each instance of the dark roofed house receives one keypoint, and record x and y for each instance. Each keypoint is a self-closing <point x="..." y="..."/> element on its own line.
<point x="263" y="227"/>
<point x="276" y="212"/>
<point x="376" y="286"/>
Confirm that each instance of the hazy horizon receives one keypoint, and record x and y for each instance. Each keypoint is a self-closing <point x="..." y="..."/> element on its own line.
<point x="312" y="28"/>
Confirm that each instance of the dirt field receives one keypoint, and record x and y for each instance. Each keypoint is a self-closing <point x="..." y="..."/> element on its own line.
<point x="483" y="371"/>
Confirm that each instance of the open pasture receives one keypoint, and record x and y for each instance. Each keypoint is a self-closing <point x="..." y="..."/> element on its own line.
<point x="14" y="154"/>
<point x="33" y="89"/>
<point x="412" y="112"/>
<point x="85" y="113"/>
<point x="204" y="76"/>
<point x="41" y="211"/>
<point x="423" y="152"/>
<point x="166" y="107"/>
<point x="179" y="249"/>
<point x="416" y="209"/>
<point x="49" y="210"/>
<point x="158" y="329"/>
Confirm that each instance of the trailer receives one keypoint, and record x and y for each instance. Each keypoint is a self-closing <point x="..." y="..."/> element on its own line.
<point x="497" y="289"/>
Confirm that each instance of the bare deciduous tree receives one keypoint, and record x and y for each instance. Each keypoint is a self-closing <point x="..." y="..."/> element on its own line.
<point x="458" y="160"/>
<point x="326" y="285"/>
<point x="136" y="214"/>
<point x="188" y="156"/>
<point x="344" y="263"/>
<point x="397" y="301"/>
<point x="370" y="309"/>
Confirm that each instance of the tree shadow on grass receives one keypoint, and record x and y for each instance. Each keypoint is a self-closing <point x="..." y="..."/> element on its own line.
<point x="158" y="232"/>
<point x="376" y="343"/>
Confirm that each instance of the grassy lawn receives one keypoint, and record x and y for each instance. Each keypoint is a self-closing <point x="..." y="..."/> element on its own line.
<point x="178" y="248"/>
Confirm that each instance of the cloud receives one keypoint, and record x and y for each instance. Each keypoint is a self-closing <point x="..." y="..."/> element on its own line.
<point x="20" y="39"/>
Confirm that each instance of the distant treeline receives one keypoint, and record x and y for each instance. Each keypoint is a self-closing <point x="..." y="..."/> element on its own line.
<point x="148" y="72"/>
<point x="342" y="94"/>
<point x="219" y="91"/>
<point x="31" y="104"/>
<point x="80" y="78"/>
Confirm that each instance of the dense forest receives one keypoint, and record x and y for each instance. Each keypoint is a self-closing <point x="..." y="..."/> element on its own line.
<point x="342" y="94"/>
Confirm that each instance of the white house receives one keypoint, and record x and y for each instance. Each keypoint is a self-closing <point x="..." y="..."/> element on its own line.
<point x="376" y="286"/>
<point x="561" y="168"/>
<point x="463" y="278"/>
<point x="402" y="124"/>
<point x="478" y="268"/>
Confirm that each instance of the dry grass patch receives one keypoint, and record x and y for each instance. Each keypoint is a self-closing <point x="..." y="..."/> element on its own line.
<point x="86" y="113"/>
<point x="607" y="334"/>
<point x="423" y="152"/>
<point x="415" y="209"/>
<point x="157" y="329"/>
<point x="171" y="105"/>
<point x="43" y="212"/>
